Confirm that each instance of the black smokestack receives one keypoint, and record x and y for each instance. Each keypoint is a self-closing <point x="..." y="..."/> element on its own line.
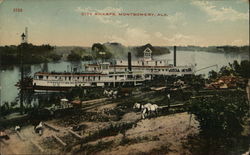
<point x="129" y="61"/>
<point x="174" y="55"/>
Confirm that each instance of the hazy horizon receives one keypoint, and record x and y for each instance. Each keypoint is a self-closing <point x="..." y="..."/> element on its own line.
<point x="129" y="46"/>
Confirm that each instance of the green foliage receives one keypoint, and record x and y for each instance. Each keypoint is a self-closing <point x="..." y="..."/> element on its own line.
<point x="54" y="57"/>
<point x="212" y="74"/>
<point x="87" y="58"/>
<point x="73" y="56"/>
<point x="242" y="69"/>
<point x="219" y="49"/>
<point x="220" y="115"/>
<point x="196" y="82"/>
<point x="29" y="53"/>
<point x="226" y="71"/>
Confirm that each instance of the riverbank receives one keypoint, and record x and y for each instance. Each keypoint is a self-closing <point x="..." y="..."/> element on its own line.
<point x="112" y="126"/>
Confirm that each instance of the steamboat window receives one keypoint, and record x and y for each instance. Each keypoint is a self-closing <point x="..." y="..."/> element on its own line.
<point x="162" y="69"/>
<point x="56" y="77"/>
<point x="65" y="78"/>
<point x="47" y="77"/>
<point x="121" y="61"/>
<point x="99" y="78"/>
<point x="94" y="78"/>
<point x="115" y="77"/>
<point x="83" y="77"/>
<point x="69" y="78"/>
<point x="160" y="62"/>
<point x="40" y="77"/>
<point x="121" y="75"/>
<point x="78" y="78"/>
<point x="110" y="76"/>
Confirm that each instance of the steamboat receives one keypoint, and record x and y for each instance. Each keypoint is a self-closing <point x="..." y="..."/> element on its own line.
<point x="116" y="73"/>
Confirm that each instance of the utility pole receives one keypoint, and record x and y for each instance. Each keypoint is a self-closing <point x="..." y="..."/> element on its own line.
<point x="22" y="46"/>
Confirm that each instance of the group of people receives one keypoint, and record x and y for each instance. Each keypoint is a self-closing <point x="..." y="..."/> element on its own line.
<point x="37" y="128"/>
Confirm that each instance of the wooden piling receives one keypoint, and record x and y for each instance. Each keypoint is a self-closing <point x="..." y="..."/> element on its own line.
<point x="20" y="136"/>
<point x="75" y="134"/>
<point x="59" y="140"/>
<point x="37" y="146"/>
<point x="51" y="127"/>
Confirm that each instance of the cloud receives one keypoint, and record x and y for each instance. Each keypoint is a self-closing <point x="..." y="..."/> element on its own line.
<point x="240" y="42"/>
<point x="177" y="39"/>
<point x="131" y="36"/>
<point x="158" y="34"/>
<point x="175" y="20"/>
<point x="104" y="19"/>
<point x="220" y="14"/>
<point x="243" y="1"/>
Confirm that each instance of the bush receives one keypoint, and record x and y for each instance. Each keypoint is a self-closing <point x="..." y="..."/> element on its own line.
<point x="221" y="115"/>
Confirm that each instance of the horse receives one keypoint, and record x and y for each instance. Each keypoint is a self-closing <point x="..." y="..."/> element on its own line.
<point x="114" y="94"/>
<point x="111" y="93"/>
<point x="149" y="109"/>
<point x="138" y="106"/>
<point x="106" y="92"/>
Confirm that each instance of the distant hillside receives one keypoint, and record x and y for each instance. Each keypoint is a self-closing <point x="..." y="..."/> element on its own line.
<point x="224" y="49"/>
<point x="31" y="54"/>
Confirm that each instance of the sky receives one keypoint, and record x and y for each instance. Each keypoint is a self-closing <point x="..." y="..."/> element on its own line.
<point x="183" y="22"/>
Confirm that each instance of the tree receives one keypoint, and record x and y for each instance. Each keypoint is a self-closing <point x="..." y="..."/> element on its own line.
<point x="244" y="69"/>
<point x="74" y="57"/>
<point x="220" y="116"/>
<point x="225" y="71"/>
<point x="212" y="74"/>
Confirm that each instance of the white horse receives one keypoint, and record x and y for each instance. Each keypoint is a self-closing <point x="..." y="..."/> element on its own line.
<point x="149" y="109"/>
<point x="114" y="95"/>
<point x="106" y="92"/>
<point x="138" y="106"/>
<point x="111" y="93"/>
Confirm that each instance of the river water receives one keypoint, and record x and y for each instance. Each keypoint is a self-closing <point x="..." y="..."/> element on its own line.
<point x="9" y="77"/>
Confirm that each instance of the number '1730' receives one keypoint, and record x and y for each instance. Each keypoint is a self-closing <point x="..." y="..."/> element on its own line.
<point x="17" y="10"/>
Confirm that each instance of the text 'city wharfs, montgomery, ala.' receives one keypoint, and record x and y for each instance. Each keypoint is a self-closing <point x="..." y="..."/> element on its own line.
<point x="121" y="14"/>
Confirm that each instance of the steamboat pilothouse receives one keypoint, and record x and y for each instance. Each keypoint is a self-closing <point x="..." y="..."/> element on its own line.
<point x="103" y="74"/>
